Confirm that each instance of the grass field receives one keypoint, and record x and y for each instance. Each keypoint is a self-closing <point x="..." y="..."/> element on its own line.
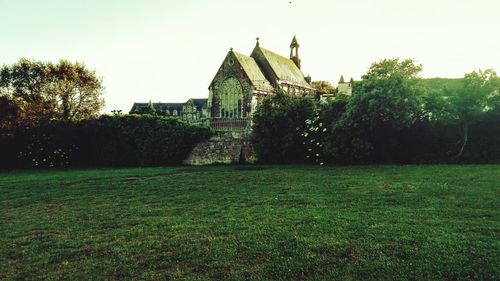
<point x="252" y="222"/>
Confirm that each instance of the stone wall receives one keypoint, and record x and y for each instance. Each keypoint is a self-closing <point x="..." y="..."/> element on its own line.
<point x="225" y="148"/>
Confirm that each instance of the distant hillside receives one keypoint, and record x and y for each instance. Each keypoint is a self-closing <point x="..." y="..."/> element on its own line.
<point x="440" y="84"/>
<point x="443" y="83"/>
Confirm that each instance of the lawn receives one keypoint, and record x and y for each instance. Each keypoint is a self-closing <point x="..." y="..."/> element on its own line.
<point x="252" y="223"/>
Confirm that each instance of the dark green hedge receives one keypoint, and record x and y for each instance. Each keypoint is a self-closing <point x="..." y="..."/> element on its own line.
<point x="299" y="130"/>
<point x="277" y="126"/>
<point x="109" y="141"/>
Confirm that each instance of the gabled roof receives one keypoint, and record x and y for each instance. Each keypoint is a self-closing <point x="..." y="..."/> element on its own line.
<point x="199" y="103"/>
<point x="285" y="69"/>
<point x="168" y="106"/>
<point x="157" y="106"/>
<point x="253" y="72"/>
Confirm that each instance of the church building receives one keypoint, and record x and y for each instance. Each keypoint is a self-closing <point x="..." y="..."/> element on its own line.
<point x="242" y="81"/>
<point x="239" y="85"/>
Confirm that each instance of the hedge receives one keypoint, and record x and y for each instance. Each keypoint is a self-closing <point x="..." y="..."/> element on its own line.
<point x="109" y="141"/>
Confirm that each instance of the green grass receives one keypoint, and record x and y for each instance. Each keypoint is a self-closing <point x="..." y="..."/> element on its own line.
<point x="255" y="222"/>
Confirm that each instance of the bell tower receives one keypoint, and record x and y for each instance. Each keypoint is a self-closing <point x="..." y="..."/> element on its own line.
<point x="294" y="56"/>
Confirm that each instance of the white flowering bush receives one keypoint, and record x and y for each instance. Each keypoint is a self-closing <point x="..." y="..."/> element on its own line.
<point x="313" y="137"/>
<point x="43" y="152"/>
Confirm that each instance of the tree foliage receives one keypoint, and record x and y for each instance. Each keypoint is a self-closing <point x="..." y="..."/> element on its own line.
<point x="9" y="113"/>
<point x="323" y="87"/>
<point x="44" y="91"/>
<point x="388" y="95"/>
<point x="278" y="124"/>
<point x="392" y="117"/>
<point x="479" y="94"/>
<point x="386" y="100"/>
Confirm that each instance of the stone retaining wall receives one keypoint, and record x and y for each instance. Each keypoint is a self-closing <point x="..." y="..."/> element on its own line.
<point x="225" y="148"/>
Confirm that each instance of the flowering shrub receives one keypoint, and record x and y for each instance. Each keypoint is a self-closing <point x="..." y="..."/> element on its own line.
<point x="313" y="139"/>
<point x="109" y="141"/>
<point x="44" y="152"/>
<point x="278" y="124"/>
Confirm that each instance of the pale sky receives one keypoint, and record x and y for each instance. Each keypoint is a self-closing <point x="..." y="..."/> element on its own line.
<point x="169" y="51"/>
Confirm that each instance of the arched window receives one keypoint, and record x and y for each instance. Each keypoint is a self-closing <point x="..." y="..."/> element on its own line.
<point x="231" y="94"/>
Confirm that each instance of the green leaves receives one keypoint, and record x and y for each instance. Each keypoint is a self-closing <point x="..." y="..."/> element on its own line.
<point x="323" y="87"/>
<point x="47" y="91"/>
<point x="389" y="94"/>
<point x="278" y="124"/>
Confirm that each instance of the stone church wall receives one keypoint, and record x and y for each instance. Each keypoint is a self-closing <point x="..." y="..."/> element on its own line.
<point x="229" y="70"/>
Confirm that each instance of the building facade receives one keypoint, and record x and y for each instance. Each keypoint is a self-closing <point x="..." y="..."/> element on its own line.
<point x="242" y="81"/>
<point x="193" y="110"/>
<point x="344" y="88"/>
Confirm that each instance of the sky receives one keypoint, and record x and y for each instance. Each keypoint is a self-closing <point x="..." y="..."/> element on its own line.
<point x="170" y="50"/>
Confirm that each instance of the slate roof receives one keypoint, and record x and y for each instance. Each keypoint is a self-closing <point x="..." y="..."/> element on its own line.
<point x="199" y="103"/>
<point x="284" y="68"/>
<point x="253" y="72"/>
<point x="158" y="106"/>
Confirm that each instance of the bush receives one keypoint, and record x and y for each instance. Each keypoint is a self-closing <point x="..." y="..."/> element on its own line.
<point x="279" y="122"/>
<point x="109" y="141"/>
<point x="291" y="130"/>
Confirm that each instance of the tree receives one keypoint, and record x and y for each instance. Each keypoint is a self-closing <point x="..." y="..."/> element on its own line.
<point x="76" y="91"/>
<point x="9" y="113"/>
<point x="388" y="95"/>
<point x="323" y="87"/>
<point x="385" y="101"/>
<point x="45" y="91"/>
<point x="479" y="94"/>
<point x="25" y="84"/>
<point x="278" y="124"/>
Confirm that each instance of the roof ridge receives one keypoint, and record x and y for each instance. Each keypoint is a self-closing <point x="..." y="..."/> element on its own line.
<point x="276" y="54"/>
<point x="238" y="53"/>
<point x="253" y="71"/>
<point x="284" y="68"/>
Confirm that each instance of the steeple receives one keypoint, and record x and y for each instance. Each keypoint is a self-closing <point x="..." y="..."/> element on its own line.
<point x="151" y="108"/>
<point x="341" y="79"/>
<point x="295" y="56"/>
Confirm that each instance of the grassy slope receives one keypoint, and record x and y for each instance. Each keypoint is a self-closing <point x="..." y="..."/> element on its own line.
<point x="277" y="222"/>
<point x="443" y="83"/>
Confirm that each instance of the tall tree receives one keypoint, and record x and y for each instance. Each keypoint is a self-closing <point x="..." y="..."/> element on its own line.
<point x="480" y="93"/>
<point x="75" y="90"/>
<point x="385" y="101"/>
<point x="25" y="84"/>
<point x="388" y="95"/>
<point x="46" y="91"/>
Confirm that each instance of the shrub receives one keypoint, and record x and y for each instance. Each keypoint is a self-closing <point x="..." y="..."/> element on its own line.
<point x="279" y="122"/>
<point x="121" y="140"/>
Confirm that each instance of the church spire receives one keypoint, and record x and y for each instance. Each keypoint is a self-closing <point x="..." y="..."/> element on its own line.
<point x="295" y="56"/>
<point x="341" y="79"/>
